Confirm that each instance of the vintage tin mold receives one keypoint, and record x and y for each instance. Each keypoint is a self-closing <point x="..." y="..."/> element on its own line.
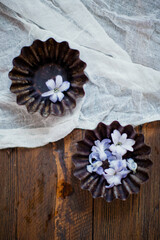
<point x="38" y="63"/>
<point x="95" y="183"/>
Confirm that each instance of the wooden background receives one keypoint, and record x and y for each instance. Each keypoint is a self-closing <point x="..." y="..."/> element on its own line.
<point x="40" y="199"/>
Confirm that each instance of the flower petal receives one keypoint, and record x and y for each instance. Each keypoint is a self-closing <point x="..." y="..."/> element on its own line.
<point x="50" y="84"/>
<point x="97" y="164"/>
<point x="97" y="143"/>
<point x="115" y="136"/>
<point x="117" y="180"/>
<point x="120" y="150"/>
<point x="123" y="138"/>
<point x="59" y="81"/>
<point x="93" y="155"/>
<point x="113" y="179"/>
<point x="102" y="155"/>
<point x="112" y="158"/>
<point x="128" y="144"/>
<point x="53" y="98"/>
<point x="89" y="168"/>
<point x="109" y="171"/>
<point x="117" y="150"/>
<point x="109" y="186"/>
<point x="130" y="160"/>
<point x="90" y="158"/>
<point x="123" y="173"/>
<point x="60" y="96"/>
<point x="110" y="179"/>
<point x="112" y="148"/>
<point x="131" y="164"/>
<point x="105" y="143"/>
<point x="118" y="156"/>
<point x="118" y="165"/>
<point x="108" y="153"/>
<point x="94" y="149"/>
<point x="65" y="86"/>
<point x="47" y="94"/>
<point x="129" y="148"/>
<point x="99" y="171"/>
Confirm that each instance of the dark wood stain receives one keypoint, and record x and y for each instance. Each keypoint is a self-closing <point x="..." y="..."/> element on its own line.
<point x="64" y="189"/>
<point x="157" y="150"/>
<point x="28" y="219"/>
<point x="41" y="183"/>
<point x="49" y="217"/>
<point x="36" y="202"/>
<point x="6" y="208"/>
<point x="34" y="214"/>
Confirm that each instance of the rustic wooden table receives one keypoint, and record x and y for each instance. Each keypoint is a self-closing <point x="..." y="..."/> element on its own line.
<point x="41" y="199"/>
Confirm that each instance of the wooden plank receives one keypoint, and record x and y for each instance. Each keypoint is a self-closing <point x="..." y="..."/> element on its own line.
<point x="8" y="198"/>
<point x="37" y="193"/>
<point x="73" y="206"/>
<point x="138" y="217"/>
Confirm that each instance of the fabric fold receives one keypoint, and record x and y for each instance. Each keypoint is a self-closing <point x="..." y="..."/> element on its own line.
<point x="118" y="89"/>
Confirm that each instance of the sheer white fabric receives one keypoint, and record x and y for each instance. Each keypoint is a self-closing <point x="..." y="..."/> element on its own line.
<point x="114" y="40"/>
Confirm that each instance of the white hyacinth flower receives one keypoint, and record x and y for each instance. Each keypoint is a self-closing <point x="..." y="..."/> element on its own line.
<point x="95" y="164"/>
<point x="56" y="89"/>
<point x="121" y="143"/>
<point x="116" y="172"/>
<point x="101" y="148"/>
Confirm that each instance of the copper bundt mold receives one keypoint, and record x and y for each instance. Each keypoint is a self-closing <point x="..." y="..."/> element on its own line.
<point x="96" y="183"/>
<point x="38" y="63"/>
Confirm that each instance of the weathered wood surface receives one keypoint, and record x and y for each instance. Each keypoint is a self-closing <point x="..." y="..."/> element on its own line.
<point x="40" y="199"/>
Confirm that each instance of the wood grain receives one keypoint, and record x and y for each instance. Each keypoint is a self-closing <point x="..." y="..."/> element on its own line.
<point x="8" y="197"/>
<point x="73" y="206"/>
<point x="40" y="199"/>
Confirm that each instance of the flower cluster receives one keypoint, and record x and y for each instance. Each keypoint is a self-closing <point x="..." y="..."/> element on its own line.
<point x="56" y="89"/>
<point x="112" y="152"/>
